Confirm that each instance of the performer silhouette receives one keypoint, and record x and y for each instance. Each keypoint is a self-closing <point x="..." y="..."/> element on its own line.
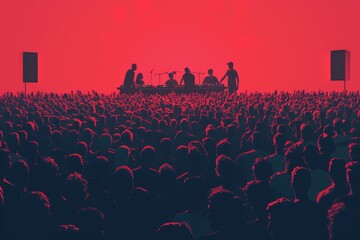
<point x="211" y="79"/>
<point x="139" y="79"/>
<point x="188" y="78"/>
<point x="233" y="78"/>
<point x="129" y="77"/>
<point x="171" y="82"/>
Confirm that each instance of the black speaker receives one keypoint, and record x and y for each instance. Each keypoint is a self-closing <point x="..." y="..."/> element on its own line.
<point x="340" y="65"/>
<point x="30" y="67"/>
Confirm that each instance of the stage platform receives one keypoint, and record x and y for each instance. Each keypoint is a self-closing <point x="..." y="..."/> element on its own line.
<point x="161" y="89"/>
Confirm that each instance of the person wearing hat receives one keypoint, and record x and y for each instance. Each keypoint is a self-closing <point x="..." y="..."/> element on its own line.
<point x="233" y="78"/>
<point x="188" y="78"/>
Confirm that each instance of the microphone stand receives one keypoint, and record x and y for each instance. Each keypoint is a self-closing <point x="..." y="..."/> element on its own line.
<point x="159" y="74"/>
<point x="199" y="75"/>
<point x="151" y="73"/>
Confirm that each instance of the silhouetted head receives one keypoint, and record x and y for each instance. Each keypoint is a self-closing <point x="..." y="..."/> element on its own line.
<point x="326" y="145"/>
<point x="147" y="156"/>
<point x="139" y="76"/>
<point x="300" y="182"/>
<point x="279" y="141"/>
<point x="259" y="195"/>
<point x="181" y="154"/>
<point x="13" y="142"/>
<point x="230" y="64"/>
<point x="328" y="130"/>
<point x="127" y="138"/>
<point x="171" y="75"/>
<point x="210" y="72"/>
<point x="306" y="133"/>
<point x="353" y="177"/>
<point x="262" y="170"/>
<point x="231" y="130"/>
<point x="279" y="213"/>
<point x="4" y="163"/>
<point x="343" y="222"/>
<point x="167" y="177"/>
<point x="224" y="147"/>
<point x="139" y="203"/>
<point x="251" y="121"/>
<point x="19" y="173"/>
<point x="354" y="152"/>
<point x="294" y="158"/>
<point x="81" y="148"/>
<point x="194" y="159"/>
<point x="35" y="215"/>
<point x="166" y="146"/>
<point x="134" y="66"/>
<point x="23" y="136"/>
<point x="75" y="190"/>
<point x="174" y="231"/>
<point x="122" y="182"/>
<point x="209" y="145"/>
<point x="225" y="168"/>
<point x="257" y="140"/>
<point x="76" y="124"/>
<point x="56" y="139"/>
<point x="47" y="173"/>
<point x="105" y="141"/>
<point x="223" y="211"/>
<point x="210" y="131"/>
<point x="187" y="70"/>
<point x="67" y="232"/>
<point x="74" y="163"/>
<point x="99" y="168"/>
<point x="122" y="156"/>
<point x="337" y="171"/>
<point x="56" y="121"/>
<point x="29" y="127"/>
<point x="91" y="223"/>
<point x="184" y="125"/>
<point x="195" y="192"/>
<point x="311" y="157"/>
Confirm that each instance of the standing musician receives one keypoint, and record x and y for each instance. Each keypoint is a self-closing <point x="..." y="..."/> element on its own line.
<point x="129" y="77"/>
<point x="171" y="82"/>
<point x="233" y="78"/>
<point x="211" y="79"/>
<point x="188" y="78"/>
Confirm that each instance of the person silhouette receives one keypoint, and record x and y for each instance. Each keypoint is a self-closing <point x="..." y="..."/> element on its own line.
<point x="188" y="78"/>
<point x="139" y="79"/>
<point x="233" y="78"/>
<point x="129" y="77"/>
<point x="211" y="79"/>
<point x="171" y="82"/>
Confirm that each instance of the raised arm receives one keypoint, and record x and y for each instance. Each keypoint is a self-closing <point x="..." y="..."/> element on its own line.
<point x="182" y="79"/>
<point x="222" y="79"/>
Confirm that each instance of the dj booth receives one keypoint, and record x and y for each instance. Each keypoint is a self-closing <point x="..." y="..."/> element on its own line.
<point x="162" y="89"/>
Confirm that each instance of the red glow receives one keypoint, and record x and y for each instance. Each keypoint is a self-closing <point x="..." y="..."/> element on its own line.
<point x="89" y="44"/>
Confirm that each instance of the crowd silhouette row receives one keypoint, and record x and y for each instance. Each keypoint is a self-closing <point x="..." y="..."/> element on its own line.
<point x="180" y="166"/>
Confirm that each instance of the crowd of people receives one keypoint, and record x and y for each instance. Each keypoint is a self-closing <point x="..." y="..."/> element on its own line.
<point x="180" y="167"/>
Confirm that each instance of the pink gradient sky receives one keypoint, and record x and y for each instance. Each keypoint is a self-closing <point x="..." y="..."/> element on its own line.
<point x="89" y="44"/>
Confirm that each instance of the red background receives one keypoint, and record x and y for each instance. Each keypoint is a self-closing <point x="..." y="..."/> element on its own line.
<point x="89" y="44"/>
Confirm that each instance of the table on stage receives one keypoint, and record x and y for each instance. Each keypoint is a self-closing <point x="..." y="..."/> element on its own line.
<point x="162" y="89"/>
